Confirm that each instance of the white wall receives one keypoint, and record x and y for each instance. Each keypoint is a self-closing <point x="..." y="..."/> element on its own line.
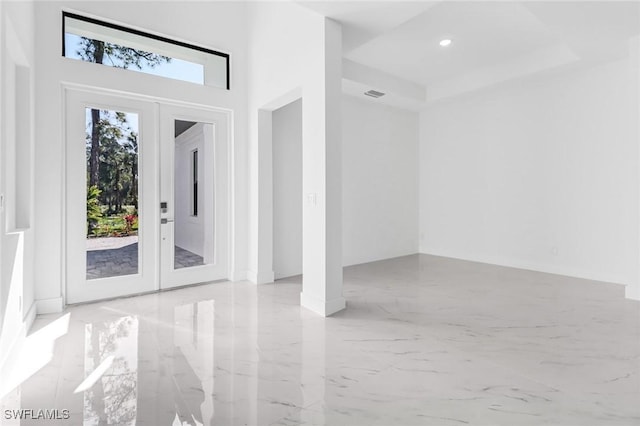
<point x="295" y="53"/>
<point x="633" y="291"/>
<point x="218" y="25"/>
<point x="380" y="181"/>
<point x="379" y="184"/>
<point x="280" y="65"/>
<point x="17" y="308"/>
<point x="540" y="174"/>
<point x="287" y="190"/>
<point x="189" y="229"/>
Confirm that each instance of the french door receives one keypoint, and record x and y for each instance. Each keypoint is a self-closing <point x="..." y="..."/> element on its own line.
<point x="146" y="195"/>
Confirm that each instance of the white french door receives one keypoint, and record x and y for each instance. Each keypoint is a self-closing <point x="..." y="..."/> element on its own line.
<point x="194" y="193"/>
<point x="146" y="195"/>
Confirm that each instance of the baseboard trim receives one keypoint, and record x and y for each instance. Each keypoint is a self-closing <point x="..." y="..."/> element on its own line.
<point x="547" y="269"/>
<point x="280" y="275"/>
<point x="322" y="307"/>
<point x="388" y="256"/>
<point x="632" y="292"/>
<point x="261" y="278"/>
<point x="49" y="306"/>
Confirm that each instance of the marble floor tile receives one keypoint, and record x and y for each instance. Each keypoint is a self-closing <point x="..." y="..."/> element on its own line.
<point x="424" y="341"/>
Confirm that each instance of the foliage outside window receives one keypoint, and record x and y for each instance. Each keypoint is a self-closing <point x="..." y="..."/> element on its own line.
<point x="92" y="40"/>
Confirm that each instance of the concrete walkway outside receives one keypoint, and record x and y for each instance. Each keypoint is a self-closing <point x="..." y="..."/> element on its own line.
<point x="117" y="256"/>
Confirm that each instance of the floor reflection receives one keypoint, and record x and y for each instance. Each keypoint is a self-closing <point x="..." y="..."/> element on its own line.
<point x="192" y="361"/>
<point x="182" y="368"/>
<point x="113" y="397"/>
<point x="237" y="354"/>
<point x="174" y="359"/>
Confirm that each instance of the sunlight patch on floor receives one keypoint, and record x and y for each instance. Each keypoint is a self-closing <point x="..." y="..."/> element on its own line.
<point x="35" y="352"/>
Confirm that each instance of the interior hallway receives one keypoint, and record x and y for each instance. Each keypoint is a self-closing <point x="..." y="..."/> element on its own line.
<point x="426" y="340"/>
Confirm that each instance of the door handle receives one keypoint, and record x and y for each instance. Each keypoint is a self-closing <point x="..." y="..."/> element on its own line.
<point x="164" y="221"/>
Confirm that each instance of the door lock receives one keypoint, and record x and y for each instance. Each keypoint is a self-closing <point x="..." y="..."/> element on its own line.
<point x="163" y="206"/>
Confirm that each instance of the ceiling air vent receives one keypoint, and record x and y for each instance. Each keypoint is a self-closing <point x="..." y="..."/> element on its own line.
<point x="374" y="93"/>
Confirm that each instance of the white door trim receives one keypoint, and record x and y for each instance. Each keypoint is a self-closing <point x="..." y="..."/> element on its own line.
<point x="126" y="97"/>
<point x="215" y="201"/>
<point x="79" y="289"/>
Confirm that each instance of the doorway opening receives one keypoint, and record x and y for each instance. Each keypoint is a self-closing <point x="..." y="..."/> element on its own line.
<point x="287" y="189"/>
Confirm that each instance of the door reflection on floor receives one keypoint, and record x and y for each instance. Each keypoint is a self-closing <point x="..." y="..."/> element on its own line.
<point x="112" y="399"/>
<point x="193" y="362"/>
<point x="173" y="384"/>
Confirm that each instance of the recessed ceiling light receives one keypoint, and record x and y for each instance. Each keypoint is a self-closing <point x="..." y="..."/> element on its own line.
<point x="445" y="42"/>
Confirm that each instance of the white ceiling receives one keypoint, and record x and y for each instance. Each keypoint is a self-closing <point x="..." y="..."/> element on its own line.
<point x="401" y="38"/>
<point x="482" y="34"/>
<point x="364" y="20"/>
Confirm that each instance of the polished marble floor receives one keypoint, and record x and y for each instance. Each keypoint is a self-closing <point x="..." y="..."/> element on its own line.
<point x="424" y="341"/>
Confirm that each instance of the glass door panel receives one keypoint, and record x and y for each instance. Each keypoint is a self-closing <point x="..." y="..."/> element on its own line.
<point x="193" y="218"/>
<point x="111" y="191"/>
<point x="193" y="186"/>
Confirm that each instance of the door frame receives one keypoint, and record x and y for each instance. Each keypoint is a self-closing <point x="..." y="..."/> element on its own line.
<point x="69" y="89"/>
<point x="214" y="172"/>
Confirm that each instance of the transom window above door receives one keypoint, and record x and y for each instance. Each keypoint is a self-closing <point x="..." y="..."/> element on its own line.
<point x="92" y="40"/>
